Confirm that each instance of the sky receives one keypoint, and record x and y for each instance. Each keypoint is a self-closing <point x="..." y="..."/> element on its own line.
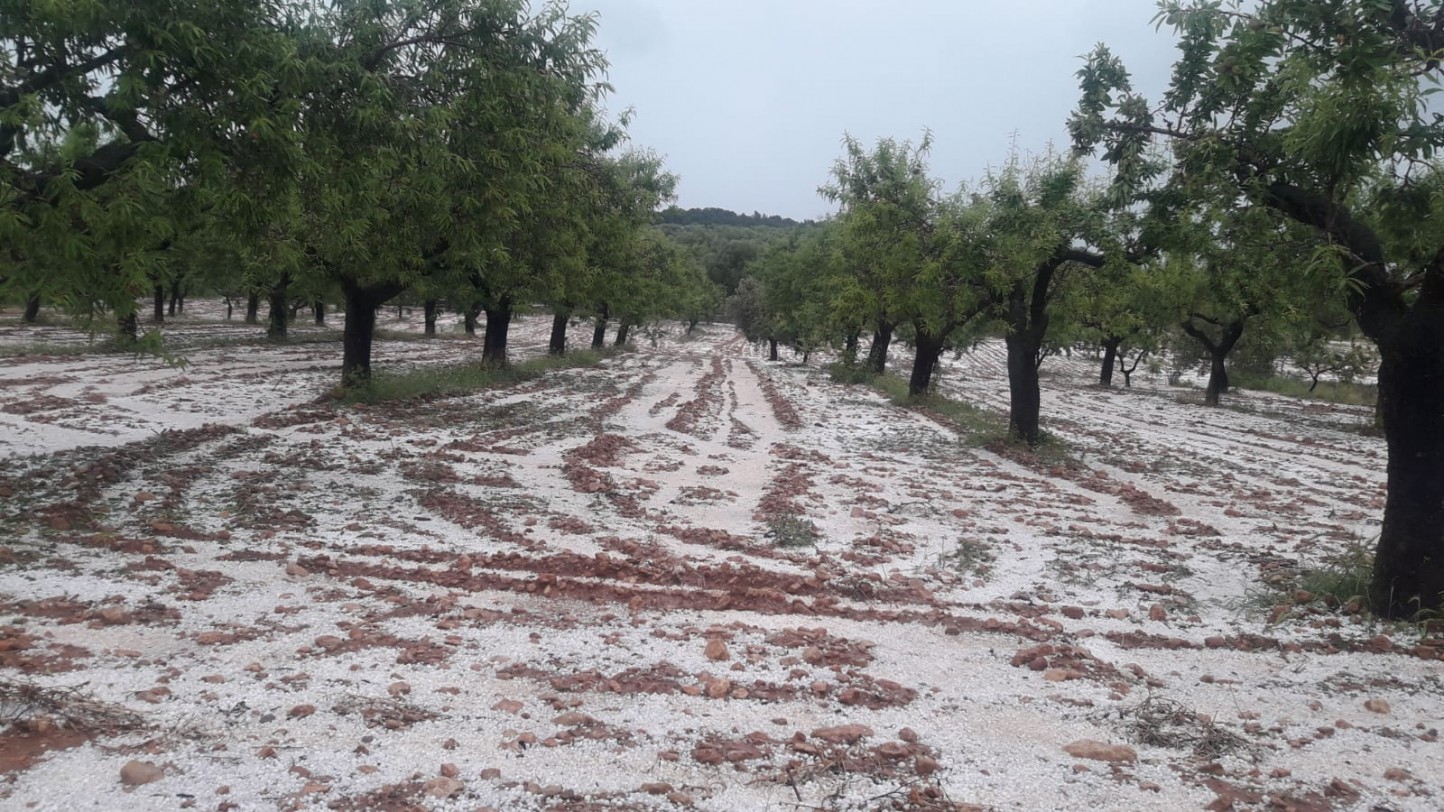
<point x="748" y="100"/>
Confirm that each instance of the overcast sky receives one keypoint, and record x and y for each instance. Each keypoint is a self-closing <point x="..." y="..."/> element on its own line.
<point x="749" y="99"/>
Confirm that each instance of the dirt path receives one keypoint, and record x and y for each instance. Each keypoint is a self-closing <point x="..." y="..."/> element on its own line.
<point x="691" y="578"/>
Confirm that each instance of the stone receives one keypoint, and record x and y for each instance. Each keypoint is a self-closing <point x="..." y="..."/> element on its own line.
<point x="134" y="773"/>
<point x="301" y="711"/>
<point x="491" y="773"/>
<point x="1157" y="613"/>
<point x="925" y="766"/>
<point x="842" y="734"/>
<point x="398" y="689"/>
<point x="1101" y="751"/>
<point x="1072" y="612"/>
<point x="660" y="788"/>
<point x="1397" y="774"/>
<point x="449" y="770"/>
<point x="113" y="616"/>
<point x="442" y="787"/>
<point x="296" y="570"/>
<point x="507" y="706"/>
<point x="1377" y="705"/>
<point x="716" y="650"/>
<point x="908" y="735"/>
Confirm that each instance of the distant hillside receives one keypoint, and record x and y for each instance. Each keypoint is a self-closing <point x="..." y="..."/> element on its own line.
<point x="722" y="217"/>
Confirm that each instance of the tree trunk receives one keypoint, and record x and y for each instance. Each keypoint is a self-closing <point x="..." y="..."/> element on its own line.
<point x="318" y="310"/>
<point x="468" y="318"/>
<point x="558" y="344"/>
<point x="158" y="312"/>
<point x="1128" y="369"/>
<point x="230" y="308"/>
<point x="877" y="353"/>
<point x="1409" y="559"/>
<point x="429" y="309"/>
<point x="1217" y="356"/>
<point x="279" y="314"/>
<point x="623" y="328"/>
<point x="360" y="329"/>
<point x="1025" y="400"/>
<point x="849" y="348"/>
<point x="1110" y="357"/>
<point x="32" y="308"/>
<point x="175" y="296"/>
<point x="772" y="349"/>
<point x="253" y="308"/>
<point x="925" y="360"/>
<point x="127" y="332"/>
<point x="498" y="323"/>
<point x="1217" y="378"/>
<point x="691" y="325"/>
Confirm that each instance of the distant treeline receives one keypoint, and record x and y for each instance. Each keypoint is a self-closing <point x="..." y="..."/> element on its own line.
<point x="722" y="217"/>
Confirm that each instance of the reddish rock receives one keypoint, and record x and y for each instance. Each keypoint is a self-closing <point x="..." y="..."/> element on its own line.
<point x="296" y="570"/>
<point x="301" y="711"/>
<point x="925" y="766"/>
<point x="716" y="650"/>
<point x="507" y="706"/>
<point x="1397" y="774"/>
<point x="113" y="616"/>
<point x="134" y="773"/>
<point x="842" y="734"/>
<point x="1072" y="612"/>
<point x="443" y="787"/>
<point x="449" y="770"/>
<point x="908" y="735"/>
<point x="1101" y="751"/>
<point x="398" y="689"/>
<point x="490" y="774"/>
<point x="660" y="788"/>
<point x="1376" y="705"/>
<point x="1157" y="613"/>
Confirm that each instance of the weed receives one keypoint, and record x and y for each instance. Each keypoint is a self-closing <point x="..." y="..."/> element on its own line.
<point x="971" y="557"/>
<point x="845" y="373"/>
<point x="790" y="532"/>
<point x="1158" y="722"/>
<point x="1353" y="394"/>
<point x="445" y="381"/>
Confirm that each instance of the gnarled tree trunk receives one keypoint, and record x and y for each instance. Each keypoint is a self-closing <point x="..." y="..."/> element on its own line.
<point x="127" y="329"/>
<point x="772" y="349"/>
<point x="429" y="311"/>
<point x="498" y="323"/>
<point x="929" y="348"/>
<point x="318" y="311"/>
<point x="877" y="353"/>
<point x="32" y="308"/>
<point x="557" y="344"/>
<point x="1110" y="358"/>
<point x="360" y="330"/>
<point x="279" y="313"/>
<point x="253" y="308"/>
<point x="623" y="329"/>
<point x="599" y="332"/>
<point x="1218" y="352"/>
<point x="158" y="311"/>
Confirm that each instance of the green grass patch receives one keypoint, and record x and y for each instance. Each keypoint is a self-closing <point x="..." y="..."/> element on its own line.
<point x="461" y="379"/>
<point x="971" y="557"/>
<point x="791" y="532"/>
<point x="1352" y="394"/>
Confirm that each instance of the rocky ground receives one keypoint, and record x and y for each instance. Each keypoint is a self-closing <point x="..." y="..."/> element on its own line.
<point x="687" y="578"/>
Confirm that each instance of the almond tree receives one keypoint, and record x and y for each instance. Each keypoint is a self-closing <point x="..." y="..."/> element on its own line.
<point x="1317" y="112"/>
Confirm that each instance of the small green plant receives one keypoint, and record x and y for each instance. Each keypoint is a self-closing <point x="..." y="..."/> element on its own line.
<point x="1344" y="578"/>
<point x="845" y="373"/>
<point x="791" y="532"/>
<point x="1342" y="392"/>
<point x="971" y="557"/>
